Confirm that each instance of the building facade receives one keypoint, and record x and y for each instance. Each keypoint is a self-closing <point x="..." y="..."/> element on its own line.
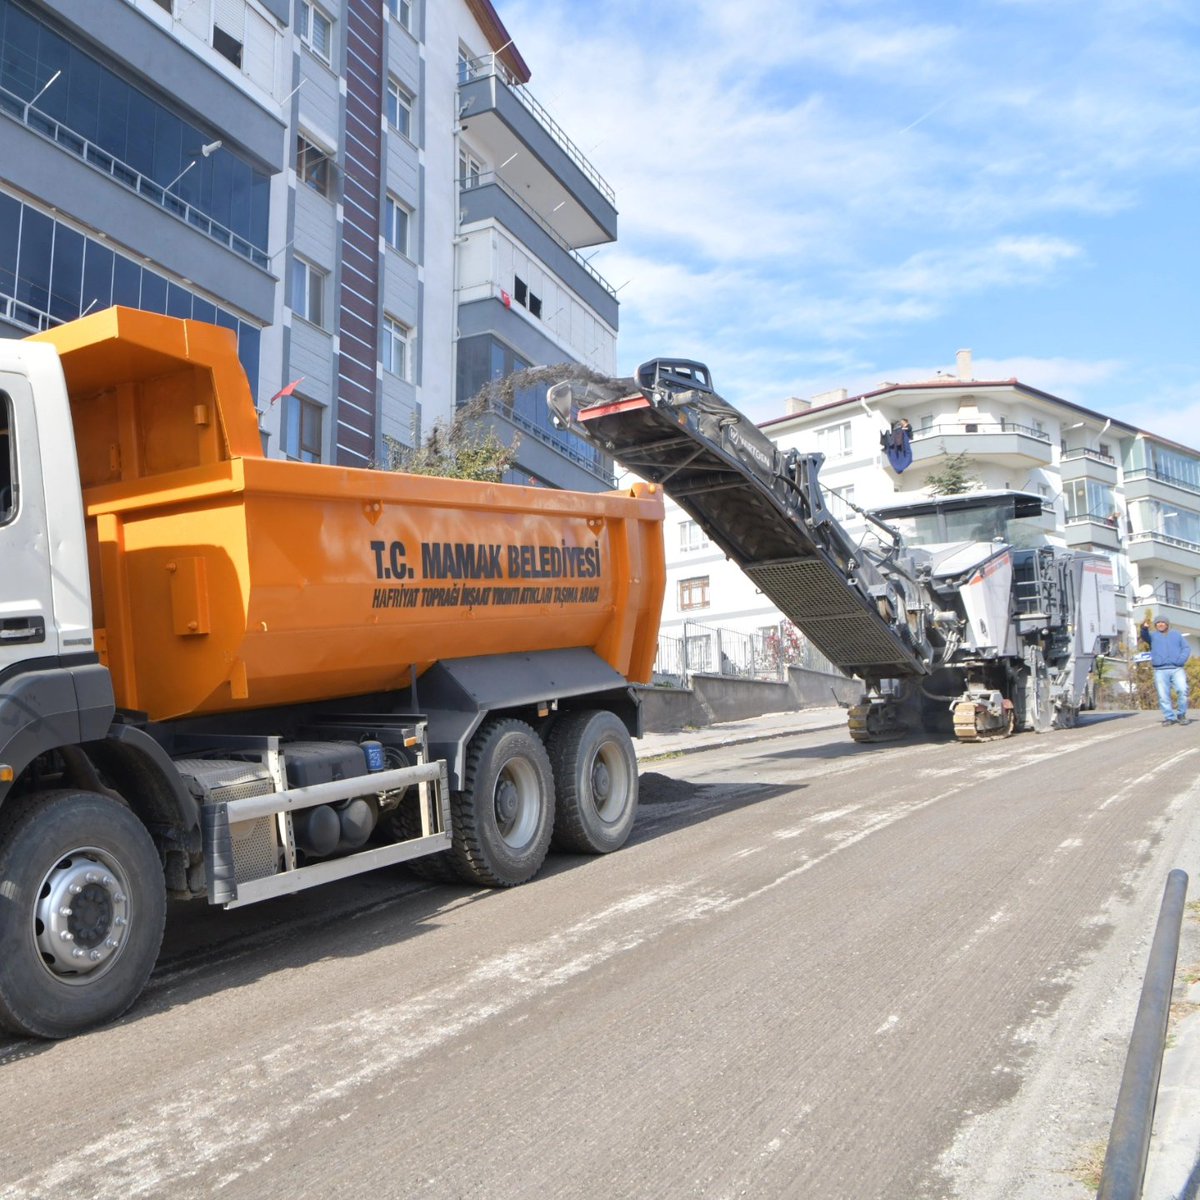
<point x="363" y="190"/>
<point x="1115" y="489"/>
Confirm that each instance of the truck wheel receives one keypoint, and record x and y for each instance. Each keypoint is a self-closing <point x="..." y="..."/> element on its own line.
<point x="82" y="905"/>
<point x="404" y="823"/>
<point x="596" y="782"/>
<point x="504" y="815"/>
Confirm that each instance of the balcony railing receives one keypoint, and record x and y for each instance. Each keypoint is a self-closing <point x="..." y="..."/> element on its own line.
<point x="121" y="172"/>
<point x="1174" y="480"/>
<point x="1158" y="597"/>
<point x="587" y="458"/>
<point x="491" y="179"/>
<point x="953" y="428"/>
<point x="488" y="66"/>
<point x="1154" y="535"/>
<point x="1084" y="452"/>
<point x="1095" y="518"/>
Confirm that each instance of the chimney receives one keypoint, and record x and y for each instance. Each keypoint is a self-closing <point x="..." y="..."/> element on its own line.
<point x="964" y="365"/>
<point x="795" y="406"/>
<point x="831" y="397"/>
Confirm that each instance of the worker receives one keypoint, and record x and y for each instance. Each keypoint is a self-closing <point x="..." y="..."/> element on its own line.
<point x="1168" y="653"/>
<point x="897" y="445"/>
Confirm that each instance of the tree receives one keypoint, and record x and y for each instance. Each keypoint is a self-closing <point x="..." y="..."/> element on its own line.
<point x="955" y="479"/>
<point x="463" y="448"/>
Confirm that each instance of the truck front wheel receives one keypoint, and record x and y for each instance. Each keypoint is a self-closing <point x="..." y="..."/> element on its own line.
<point x="504" y="816"/>
<point x="82" y="905"/>
<point x="596" y="782"/>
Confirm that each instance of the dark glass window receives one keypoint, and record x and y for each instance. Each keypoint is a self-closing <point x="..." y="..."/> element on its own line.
<point x="202" y="310"/>
<point x="33" y="264"/>
<point x="66" y="274"/>
<point x="97" y="277"/>
<point x="179" y="301"/>
<point x="126" y="124"/>
<point x="248" y="347"/>
<point x="154" y="292"/>
<point x="10" y="233"/>
<point x="8" y="462"/>
<point x="127" y="283"/>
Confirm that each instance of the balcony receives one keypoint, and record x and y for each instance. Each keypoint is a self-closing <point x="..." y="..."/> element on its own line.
<point x="125" y="175"/>
<point x="1088" y="464"/>
<point x="490" y="198"/>
<point x="1092" y="531"/>
<point x="539" y="162"/>
<point x="1003" y="443"/>
<point x="1149" y="484"/>
<point x="1154" y="547"/>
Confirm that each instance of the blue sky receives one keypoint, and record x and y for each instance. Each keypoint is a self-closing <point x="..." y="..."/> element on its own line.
<point x="817" y="195"/>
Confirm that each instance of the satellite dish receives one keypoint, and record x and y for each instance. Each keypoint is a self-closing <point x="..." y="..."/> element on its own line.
<point x="1145" y="592"/>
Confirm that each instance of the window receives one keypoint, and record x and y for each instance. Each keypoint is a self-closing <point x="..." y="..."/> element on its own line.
<point x="467" y="66"/>
<point x="839" y="500"/>
<point x="693" y="593"/>
<point x="306" y="291"/>
<point x="228" y="45"/>
<point x="313" y="166"/>
<point x="7" y="463"/>
<point x="692" y="537"/>
<point x="395" y="224"/>
<point x="1172" y="593"/>
<point x="520" y="290"/>
<point x="402" y="11"/>
<point x="1087" y="500"/>
<point x="316" y="31"/>
<point x="469" y="169"/>
<point x="300" y="431"/>
<point x="926" y="421"/>
<point x="535" y="305"/>
<point x="834" y="441"/>
<point x="399" y="108"/>
<point x="396" y="348"/>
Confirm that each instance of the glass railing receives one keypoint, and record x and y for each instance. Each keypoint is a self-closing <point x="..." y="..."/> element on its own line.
<point x="486" y="67"/>
<point x="122" y="173"/>
<point x="958" y="428"/>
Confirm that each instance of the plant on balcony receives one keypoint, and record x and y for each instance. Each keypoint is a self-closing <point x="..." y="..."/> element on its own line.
<point x="954" y="479"/>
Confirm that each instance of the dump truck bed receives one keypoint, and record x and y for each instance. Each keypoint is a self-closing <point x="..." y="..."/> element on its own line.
<point x="224" y="580"/>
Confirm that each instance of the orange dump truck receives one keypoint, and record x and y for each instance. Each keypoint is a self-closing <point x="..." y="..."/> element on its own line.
<point x="232" y="677"/>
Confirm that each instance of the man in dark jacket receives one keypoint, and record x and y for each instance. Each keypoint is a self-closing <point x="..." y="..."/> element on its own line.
<point x="1168" y="652"/>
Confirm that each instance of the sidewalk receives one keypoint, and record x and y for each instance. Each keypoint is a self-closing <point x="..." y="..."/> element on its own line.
<point x="731" y="733"/>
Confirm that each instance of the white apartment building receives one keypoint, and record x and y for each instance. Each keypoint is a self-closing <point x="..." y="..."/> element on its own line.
<point x="1115" y="489"/>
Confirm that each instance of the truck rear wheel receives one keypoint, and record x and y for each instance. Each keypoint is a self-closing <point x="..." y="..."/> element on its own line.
<point x="504" y="816"/>
<point x="82" y="906"/>
<point x="596" y="782"/>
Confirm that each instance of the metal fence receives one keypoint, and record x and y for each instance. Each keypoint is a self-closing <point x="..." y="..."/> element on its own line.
<point x="712" y="650"/>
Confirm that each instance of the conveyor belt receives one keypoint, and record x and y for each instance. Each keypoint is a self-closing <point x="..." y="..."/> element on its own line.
<point x="745" y="495"/>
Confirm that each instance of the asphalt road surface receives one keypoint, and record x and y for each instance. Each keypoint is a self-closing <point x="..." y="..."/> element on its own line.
<point x="817" y="970"/>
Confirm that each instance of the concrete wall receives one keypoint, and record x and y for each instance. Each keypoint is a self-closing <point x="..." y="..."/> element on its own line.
<point x="714" y="698"/>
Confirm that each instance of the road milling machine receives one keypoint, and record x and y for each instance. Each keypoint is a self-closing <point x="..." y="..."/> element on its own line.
<point x="957" y="612"/>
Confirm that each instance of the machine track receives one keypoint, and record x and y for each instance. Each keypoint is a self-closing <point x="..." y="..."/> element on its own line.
<point x="967" y="716"/>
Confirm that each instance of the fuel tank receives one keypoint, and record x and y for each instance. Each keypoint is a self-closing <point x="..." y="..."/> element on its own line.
<point x="224" y="580"/>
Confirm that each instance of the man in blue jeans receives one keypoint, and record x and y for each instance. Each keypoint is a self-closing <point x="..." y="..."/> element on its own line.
<point x="1168" y="652"/>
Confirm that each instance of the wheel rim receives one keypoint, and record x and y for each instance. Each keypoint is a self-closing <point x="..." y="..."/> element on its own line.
<point x="610" y="782"/>
<point x="81" y="918"/>
<point x="518" y="803"/>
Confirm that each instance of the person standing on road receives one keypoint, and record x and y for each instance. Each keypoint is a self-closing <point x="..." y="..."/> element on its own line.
<point x="1168" y="652"/>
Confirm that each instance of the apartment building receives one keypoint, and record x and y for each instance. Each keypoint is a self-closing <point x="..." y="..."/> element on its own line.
<point x="1115" y="489"/>
<point x="365" y="191"/>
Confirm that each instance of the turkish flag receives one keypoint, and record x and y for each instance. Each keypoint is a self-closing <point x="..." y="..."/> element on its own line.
<point x="287" y="391"/>
<point x="505" y="298"/>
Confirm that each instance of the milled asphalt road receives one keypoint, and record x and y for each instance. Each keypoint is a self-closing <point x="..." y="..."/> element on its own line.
<point x="818" y="970"/>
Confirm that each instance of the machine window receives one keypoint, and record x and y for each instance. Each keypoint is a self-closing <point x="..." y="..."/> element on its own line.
<point x="8" y="466"/>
